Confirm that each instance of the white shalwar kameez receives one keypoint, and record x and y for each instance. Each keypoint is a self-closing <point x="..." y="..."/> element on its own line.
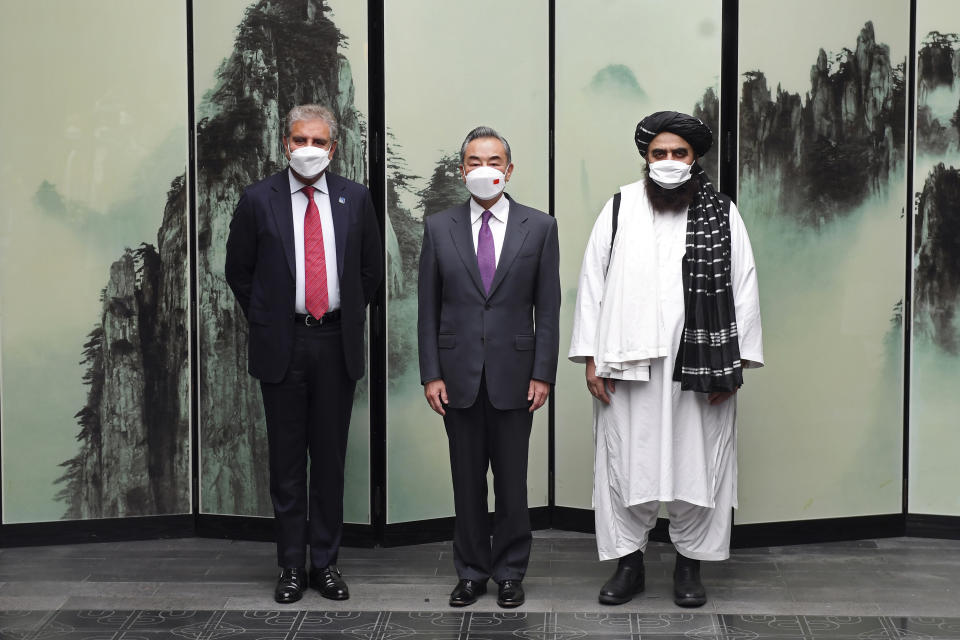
<point x="655" y="443"/>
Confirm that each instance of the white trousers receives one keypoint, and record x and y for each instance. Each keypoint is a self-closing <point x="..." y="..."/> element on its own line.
<point x="699" y="533"/>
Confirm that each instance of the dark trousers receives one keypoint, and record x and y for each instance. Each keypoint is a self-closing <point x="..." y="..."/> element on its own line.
<point x="309" y="411"/>
<point x="479" y="436"/>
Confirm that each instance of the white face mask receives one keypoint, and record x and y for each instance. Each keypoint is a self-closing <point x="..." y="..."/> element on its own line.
<point x="486" y="183"/>
<point x="309" y="161"/>
<point x="670" y="174"/>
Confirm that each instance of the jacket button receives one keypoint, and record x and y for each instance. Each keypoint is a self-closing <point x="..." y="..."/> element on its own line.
<point x="487" y="307"/>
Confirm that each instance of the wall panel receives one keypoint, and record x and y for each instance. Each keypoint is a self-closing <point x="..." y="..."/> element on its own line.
<point x="608" y="79"/>
<point x="256" y="59"/>
<point x="935" y="354"/>
<point x="822" y="191"/>
<point x="93" y="260"/>
<point x="438" y="88"/>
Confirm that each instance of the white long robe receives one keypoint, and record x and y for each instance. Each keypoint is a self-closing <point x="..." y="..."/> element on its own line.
<point x="656" y="443"/>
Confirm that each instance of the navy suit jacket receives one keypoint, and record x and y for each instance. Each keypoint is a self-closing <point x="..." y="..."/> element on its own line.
<point x="513" y="332"/>
<point x="261" y="269"/>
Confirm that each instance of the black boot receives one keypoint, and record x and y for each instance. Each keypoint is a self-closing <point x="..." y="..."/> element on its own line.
<point x="688" y="590"/>
<point x="626" y="581"/>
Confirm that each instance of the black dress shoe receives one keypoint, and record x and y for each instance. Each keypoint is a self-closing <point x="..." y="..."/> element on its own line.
<point x="688" y="590"/>
<point x="329" y="583"/>
<point x="466" y="592"/>
<point x="290" y="585"/>
<point x="510" y="594"/>
<point x="627" y="580"/>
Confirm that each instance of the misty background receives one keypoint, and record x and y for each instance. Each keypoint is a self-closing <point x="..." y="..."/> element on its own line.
<point x="86" y="163"/>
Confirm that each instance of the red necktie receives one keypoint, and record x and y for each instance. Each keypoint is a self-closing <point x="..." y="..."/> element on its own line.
<point x="315" y="262"/>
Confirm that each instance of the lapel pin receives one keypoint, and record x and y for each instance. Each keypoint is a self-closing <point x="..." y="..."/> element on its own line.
<point x="343" y="200"/>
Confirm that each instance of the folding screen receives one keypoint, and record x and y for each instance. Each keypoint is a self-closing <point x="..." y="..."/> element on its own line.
<point x="94" y="277"/>
<point x="93" y="264"/>
<point x="935" y="353"/>
<point x="255" y="59"/>
<point x="822" y="192"/>
<point x="440" y="84"/>
<point x="615" y="64"/>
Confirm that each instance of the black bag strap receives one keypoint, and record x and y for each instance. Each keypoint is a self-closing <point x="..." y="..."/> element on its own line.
<point x="616" y="214"/>
<point x="613" y="233"/>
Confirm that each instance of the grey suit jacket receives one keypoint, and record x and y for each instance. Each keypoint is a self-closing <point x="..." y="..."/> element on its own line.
<point x="512" y="333"/>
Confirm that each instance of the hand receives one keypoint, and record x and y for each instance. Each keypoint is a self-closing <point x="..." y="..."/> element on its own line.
<point x="598" y="387"/>
<point x="436" y="393"/>
<point x="538" y="392"/>
<point x="719" y="397"/>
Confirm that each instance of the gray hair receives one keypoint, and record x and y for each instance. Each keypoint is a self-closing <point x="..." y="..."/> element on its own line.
<point x="483" y="132"/>
<point x="312" y="112"/>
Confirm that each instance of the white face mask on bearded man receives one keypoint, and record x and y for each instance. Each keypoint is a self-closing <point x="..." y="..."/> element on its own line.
<point x="670" y="174"/>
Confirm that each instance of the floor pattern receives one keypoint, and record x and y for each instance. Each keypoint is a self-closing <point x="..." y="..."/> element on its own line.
<point x="460" y="625"/>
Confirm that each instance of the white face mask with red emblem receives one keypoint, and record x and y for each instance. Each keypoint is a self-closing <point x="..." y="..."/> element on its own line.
<point x="486" y="183"/>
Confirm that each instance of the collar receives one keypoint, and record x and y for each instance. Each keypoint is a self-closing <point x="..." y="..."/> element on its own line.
<point x="320" y="185"/>
<point x="500" y="210"/>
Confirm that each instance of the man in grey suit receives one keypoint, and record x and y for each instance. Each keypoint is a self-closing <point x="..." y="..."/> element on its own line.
<point x="489" y="307"/>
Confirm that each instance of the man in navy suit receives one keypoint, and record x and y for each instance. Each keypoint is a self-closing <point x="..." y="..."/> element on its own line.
<point x="488" y="329"/>
<point x="304" y="260"/>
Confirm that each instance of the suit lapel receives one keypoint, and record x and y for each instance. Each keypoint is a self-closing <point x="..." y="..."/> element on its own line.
<point x="461" y="232"/>
<point x="282" y="210"/>
<point x="516" y="233"/>
<point x="339" y="209"/>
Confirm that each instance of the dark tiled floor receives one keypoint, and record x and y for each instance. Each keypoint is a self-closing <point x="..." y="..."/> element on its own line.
<point x="453" y="625"/>
<point x="898" y="584"/>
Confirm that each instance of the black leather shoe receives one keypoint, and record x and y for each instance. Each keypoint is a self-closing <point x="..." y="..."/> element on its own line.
<point x="510" y="594"/>
<point x="688" y="590"/>
<point x="627" y="580"/>
<point x="466" y="592"/>
<point x="290" y="585"/>
<point x="329" y="583"/>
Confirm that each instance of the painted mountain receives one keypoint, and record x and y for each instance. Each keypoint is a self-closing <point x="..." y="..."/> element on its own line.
<point x="833" y="147"/>
<point x="938" y="82"/>
<point x="937" y="218"/>
<point x="134" y="428"/>
<point x="937" y="260"/>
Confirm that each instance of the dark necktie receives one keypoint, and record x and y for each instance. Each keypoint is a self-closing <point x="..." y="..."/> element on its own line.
<point x="486" y="255"/>
<point x="314" y="259"/>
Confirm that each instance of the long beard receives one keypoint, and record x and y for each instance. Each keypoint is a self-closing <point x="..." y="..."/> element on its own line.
<point x="661" y="199"/>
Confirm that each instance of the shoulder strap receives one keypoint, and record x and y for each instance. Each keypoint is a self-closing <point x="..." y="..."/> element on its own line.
<point x="613" y="233"/>
<point x="616" y="214"/>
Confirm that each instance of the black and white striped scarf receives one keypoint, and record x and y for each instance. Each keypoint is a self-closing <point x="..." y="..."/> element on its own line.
<point x="708" y="359"/>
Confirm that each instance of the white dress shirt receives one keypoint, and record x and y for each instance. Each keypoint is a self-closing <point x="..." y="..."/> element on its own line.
<point x="498" y="223"/>
<point x="298" y="199"/>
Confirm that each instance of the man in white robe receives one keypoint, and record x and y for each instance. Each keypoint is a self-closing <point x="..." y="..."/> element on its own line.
<point x="659" y="441"/>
